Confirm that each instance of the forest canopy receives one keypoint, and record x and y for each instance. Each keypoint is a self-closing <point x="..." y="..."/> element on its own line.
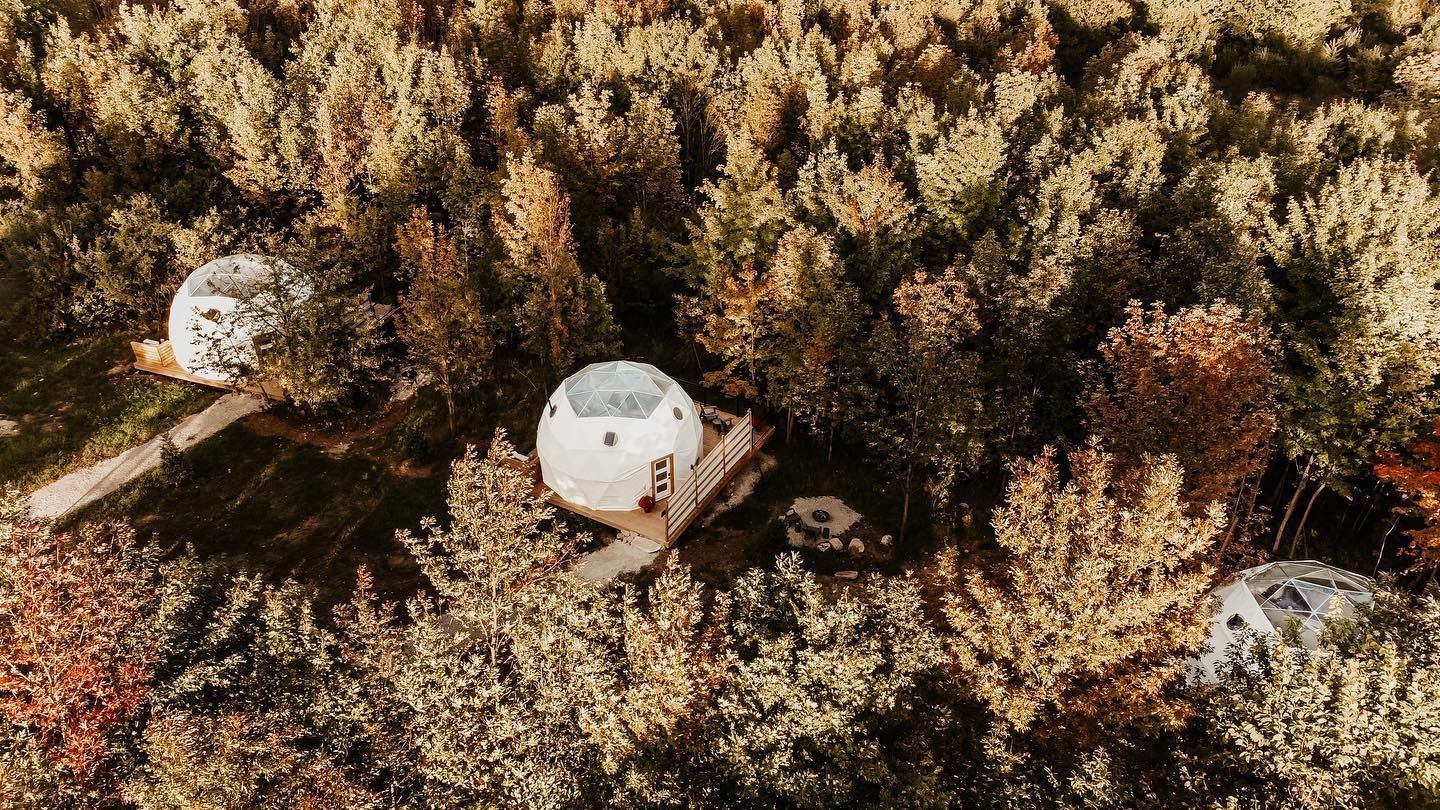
<point x="1169" y="271"/>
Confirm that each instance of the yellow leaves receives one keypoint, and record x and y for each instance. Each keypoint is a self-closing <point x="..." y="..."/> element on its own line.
<point x="1099" y="601"/>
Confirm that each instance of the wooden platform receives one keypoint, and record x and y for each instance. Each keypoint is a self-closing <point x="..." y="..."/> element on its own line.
<point x="722" y="458"/>
<point x="159" y="358"/>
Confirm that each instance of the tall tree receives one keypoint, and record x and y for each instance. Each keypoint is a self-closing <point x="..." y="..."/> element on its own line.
<point x="1349" y="724"/>
<point x="1416" y="473"/>
<point x="817" y="335"/>
<point x="929" y="366"/>
<point x="1360" y="259"/>
<point x="446" y="326"/>
<point x="1098" y="603"/>
<point x="823" y="700"/>
<point x="1197" y="385"/>
<point x="562" y="311"/>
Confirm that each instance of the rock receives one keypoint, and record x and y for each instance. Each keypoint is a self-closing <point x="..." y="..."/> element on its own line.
<point x="823" y="545"/>
<point x="887" y="541"/>
<point x="9" y="427"/>
<point x="836" y="543"/>
<point x="857" y="546"/>
<point x="847" y="574"/>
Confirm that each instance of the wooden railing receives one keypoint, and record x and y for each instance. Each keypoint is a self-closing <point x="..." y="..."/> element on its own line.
<point x="709" y="475"/>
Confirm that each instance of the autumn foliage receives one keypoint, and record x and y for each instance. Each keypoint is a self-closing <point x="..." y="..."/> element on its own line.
<point x="75" y="655"/>
<point x="1197" y="384"/>
<point x="1416" y="474"/>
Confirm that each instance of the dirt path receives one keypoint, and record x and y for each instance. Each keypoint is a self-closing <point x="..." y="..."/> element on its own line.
<point x="86" y="486"/>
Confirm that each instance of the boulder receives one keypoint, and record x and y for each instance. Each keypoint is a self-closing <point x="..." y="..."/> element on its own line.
<point x="836" y="543"/>
<point x="887" y="541"/>
<point x="857" y="546"/>
<point x="823" y="545"/>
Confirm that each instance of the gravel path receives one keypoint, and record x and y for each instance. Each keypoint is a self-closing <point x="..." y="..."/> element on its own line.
<point x="86" y="486"/>
<point x="625" y="554"/>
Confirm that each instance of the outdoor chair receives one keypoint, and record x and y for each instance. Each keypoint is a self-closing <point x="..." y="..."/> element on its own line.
<point x="808" y="530"/>
<point x="792" y="518"/>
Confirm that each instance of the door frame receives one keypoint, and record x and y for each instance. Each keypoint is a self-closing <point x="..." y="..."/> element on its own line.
<point x="668" y="460"/>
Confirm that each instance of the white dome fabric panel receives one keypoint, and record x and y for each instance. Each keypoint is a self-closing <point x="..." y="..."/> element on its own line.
<point x="203" y="320"/>
<point x="643" y="414"/>
<point x="1269" y="599"/>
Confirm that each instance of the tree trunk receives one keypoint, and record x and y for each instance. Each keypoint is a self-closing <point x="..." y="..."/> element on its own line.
<point x="1295" y="538"/>
<point x="450" y="409"/>
<point x="789" y="424"/>
<point x="1290" y="510"/>
<point x="905" y="510"/>
<point x="1383" y="539"/>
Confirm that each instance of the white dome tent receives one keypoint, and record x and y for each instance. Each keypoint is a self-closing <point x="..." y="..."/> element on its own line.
<point x="1268" y="599"/>
<point x="604" y="428"/>
<point x="202" y="314"/>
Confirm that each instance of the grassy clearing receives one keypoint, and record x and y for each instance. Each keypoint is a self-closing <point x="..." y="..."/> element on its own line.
<point x="71" y="413"/>
<point x="282" y="508"/>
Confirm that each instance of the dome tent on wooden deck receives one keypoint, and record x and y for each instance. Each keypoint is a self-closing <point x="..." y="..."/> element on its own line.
<point x="603" y="429"/>
<point x="211" y="328"/>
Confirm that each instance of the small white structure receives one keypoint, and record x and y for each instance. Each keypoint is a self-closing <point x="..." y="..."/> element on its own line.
<point x="204" y="332"/>
<point x="1268" y="599"/>
<point x="616" y="431"/>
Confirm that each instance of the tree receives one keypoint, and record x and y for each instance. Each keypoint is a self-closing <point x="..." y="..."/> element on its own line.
<point x="1416" y="473"/>
<point x="445" y="325"/>
<point x="315" y="336"/>
<point x="76" y="647"/>
<point x="1196" y="385"/>
<point x="817" y="337"/>
<point x="733" y="239"/>
<point x="1361" y="260"/>
<point x="928" y="366"/>
<point x="1097" y="604"/>
<point x="1349" y="724"/>
<point x="237" y="761"/>
<point x="561" y="311"/>
<point x="518" y="684"/>
<point x="823" y="702"/>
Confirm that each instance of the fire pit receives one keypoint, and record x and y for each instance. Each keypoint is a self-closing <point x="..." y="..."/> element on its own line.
<point x="820" y="515"/>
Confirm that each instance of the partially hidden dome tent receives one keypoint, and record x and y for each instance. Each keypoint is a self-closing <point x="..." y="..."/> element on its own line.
<point x="1269" y="599"/>
<point x="206" y="332"/>
<point x="605" y="426"/>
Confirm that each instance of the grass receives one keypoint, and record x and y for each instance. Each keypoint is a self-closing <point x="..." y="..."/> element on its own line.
<point x="284" y="509"/>
<point x="71" y="411"/>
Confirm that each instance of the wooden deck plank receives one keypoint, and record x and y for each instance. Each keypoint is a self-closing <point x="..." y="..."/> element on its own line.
<point x="159" y="358"/>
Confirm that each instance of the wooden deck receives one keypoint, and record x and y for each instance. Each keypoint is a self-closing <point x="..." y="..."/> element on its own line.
<point x="722" y="458"/>
<point x="159" y="358"/>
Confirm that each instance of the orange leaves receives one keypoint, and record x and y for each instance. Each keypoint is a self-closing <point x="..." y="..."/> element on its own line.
<point x="75" y="651"/>
<point x="1417" y="475"/>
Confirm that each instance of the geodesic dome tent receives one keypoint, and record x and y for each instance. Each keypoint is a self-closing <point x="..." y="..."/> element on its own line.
<point x="606" y="425"/>
<point x="1269" y="599"/>
<point x="205" y="331"/>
